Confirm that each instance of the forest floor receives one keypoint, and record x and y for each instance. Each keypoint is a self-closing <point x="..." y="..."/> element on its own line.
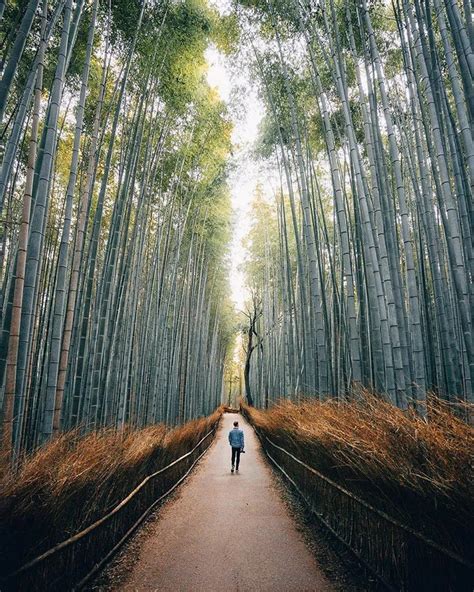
<point x="222" y="531"/>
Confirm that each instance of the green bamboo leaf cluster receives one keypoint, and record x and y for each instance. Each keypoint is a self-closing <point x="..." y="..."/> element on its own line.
<point x="369" y="279"/>
<point x="115" y="218"/>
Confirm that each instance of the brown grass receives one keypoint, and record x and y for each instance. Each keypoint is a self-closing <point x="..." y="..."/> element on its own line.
<point x="74" y="480"/>
<point x="419" y="472"/>
<point x="228" y="409"/>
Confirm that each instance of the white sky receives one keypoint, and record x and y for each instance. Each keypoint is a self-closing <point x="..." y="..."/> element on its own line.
<point x="244" y="176"/>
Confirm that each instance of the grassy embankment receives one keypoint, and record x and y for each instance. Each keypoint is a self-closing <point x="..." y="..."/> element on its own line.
<point x="419" y="472"/>
<point x="74" y="480"/>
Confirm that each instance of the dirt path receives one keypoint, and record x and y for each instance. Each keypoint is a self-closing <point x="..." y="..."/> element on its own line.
<point x="226" y="532"/>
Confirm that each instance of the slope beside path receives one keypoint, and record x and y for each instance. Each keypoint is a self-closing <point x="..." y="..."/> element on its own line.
<point x="226" y="531"/>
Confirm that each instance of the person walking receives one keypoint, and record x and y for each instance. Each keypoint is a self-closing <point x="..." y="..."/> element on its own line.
<point x="236" y="440"/>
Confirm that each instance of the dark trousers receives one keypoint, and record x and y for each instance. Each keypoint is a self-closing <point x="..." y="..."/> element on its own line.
<point x="235" y="457"/>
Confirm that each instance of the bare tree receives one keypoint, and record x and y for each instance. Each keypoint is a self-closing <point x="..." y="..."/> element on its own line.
<point x="253" y="314"/>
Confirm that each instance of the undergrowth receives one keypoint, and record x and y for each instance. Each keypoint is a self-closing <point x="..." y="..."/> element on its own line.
<point x="74" y="480"/>
<point x="418" y="471"/>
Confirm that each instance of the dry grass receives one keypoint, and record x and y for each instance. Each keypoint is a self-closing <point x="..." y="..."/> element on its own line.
<point x="228" y="409"/>
<point x="419" y="472"/>
<point x="74" y="480"/>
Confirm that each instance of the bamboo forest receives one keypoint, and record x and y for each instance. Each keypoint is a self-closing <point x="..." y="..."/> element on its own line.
<point x="218" y="205"/>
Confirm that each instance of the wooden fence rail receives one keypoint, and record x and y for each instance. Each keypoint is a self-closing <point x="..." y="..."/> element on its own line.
<point x="401" y="558"/>
<point x="72" y="563"/>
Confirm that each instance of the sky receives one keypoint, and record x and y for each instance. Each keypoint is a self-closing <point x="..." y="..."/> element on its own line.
<point x="244" y="169"/>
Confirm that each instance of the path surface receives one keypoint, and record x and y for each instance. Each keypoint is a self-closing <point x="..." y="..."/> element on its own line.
<point x="226" y="532"/>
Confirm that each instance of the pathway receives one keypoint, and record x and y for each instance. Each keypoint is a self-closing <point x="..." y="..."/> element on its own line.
<point x="226" y="532"/>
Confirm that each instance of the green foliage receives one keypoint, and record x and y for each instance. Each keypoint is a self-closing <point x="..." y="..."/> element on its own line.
<point x="125" y="15"/>
<point x="177" y="47"/>
<point x="76" y="65"/>
<point x="262" y="241"/>
<point x="226" y="33"/>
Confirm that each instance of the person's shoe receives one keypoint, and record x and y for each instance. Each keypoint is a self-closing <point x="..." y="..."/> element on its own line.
<point x="236" y="470"/>
<point x="232" y="470"/>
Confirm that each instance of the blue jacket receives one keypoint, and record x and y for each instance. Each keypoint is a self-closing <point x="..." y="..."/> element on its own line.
<point x="236" y="438"/>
